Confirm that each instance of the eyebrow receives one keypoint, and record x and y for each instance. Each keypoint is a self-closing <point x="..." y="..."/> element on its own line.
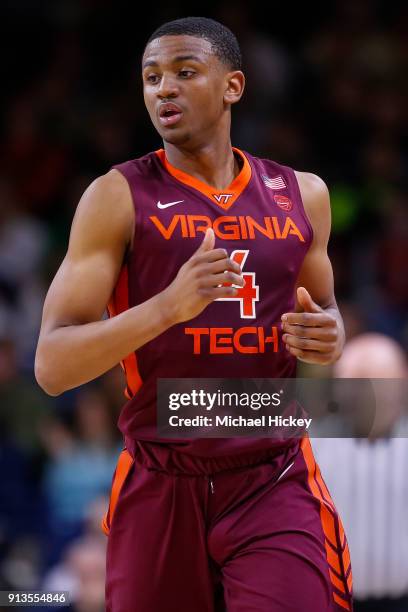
<point x="178" y="58"/>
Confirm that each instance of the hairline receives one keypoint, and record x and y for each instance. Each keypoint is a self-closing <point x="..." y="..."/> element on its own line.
<point x="212" y="50"/>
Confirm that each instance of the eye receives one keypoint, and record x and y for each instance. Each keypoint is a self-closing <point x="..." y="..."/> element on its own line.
<point x="152" y="78"/>
<point x="185" y="74"/>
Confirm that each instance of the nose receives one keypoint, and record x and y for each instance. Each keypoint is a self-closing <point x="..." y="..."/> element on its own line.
<point x="168" y="87"/>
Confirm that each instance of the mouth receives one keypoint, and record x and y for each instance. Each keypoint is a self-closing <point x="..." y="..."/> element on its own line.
<point x="169" y="113"/>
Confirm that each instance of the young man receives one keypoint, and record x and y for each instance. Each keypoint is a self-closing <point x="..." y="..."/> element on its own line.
<point x="212" y="262"/>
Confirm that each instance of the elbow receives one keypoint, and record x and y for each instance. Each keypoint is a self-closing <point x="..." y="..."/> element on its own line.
<point x="45" y="376"/>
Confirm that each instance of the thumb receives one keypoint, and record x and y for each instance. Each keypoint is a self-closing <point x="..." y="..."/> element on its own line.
<point x="208" y="241"/>
<point x="306" y="302"/>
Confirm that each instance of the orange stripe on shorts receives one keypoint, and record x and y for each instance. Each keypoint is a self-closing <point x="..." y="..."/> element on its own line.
<point x="327" y="517"/>
<point x="341" y="602"/>
<point x="124" y="464"/>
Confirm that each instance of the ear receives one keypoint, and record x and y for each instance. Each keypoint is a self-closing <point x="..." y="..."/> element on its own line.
<point x="235" y="84"/>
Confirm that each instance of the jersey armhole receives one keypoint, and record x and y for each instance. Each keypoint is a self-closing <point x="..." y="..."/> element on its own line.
<point x="128" y="175"/>
<point x="302" y="206"/>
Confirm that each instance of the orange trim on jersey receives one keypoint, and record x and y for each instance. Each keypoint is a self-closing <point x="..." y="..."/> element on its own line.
<point x="338" y="560"/>
<point x="118" y="303"/>
<point x="224" y="198"/>
<point x="124" y="464"/>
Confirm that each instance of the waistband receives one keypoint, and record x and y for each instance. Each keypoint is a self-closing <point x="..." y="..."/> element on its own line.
<point x="164" y="458"/>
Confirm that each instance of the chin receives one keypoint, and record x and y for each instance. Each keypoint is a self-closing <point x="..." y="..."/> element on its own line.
<point x="176" y="137"/>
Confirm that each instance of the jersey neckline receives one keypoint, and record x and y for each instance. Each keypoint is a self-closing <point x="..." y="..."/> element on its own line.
<point x="224" y="198"/>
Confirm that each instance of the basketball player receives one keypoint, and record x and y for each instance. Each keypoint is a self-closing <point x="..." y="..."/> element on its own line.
<point x="212" y="263"/>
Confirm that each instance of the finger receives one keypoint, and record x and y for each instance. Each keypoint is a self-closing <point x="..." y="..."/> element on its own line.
<point x="305" y="301"/>
<point x="224" y="264"/>
<point x="310" y="356"/>
<point x="214" y="293"/>
<point x="208" y="241"/>
<point x="230" y="278"/>
<point x="309" y="319"/>
<point x="307" y="344"/>
<point x="327" y="334"/>
<point x="210" y="256"/>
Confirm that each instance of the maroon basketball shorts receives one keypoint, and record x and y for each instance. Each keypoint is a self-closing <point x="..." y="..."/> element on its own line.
<point x="246" y="539"/>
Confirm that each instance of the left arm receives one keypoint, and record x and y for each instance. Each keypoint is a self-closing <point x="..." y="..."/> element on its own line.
<point x="315" y="332"/>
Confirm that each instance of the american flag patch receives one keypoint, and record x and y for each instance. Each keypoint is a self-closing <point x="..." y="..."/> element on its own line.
<point x="274" y="183"/>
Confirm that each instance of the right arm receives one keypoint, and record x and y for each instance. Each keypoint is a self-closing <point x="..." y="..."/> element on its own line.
<point x="75" y="345"/>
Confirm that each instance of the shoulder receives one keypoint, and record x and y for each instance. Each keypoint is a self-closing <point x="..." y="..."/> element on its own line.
<point x="109" y="187"/>
<point x="314" y="192"/>
<point x="106" y="209"/>
<point x="315" y="198"/>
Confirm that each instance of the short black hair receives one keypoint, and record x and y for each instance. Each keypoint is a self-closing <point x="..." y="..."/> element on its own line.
<point x="223" y="42"/>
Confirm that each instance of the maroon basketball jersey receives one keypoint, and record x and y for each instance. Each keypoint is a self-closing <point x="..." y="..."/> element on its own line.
<point x="260" y="220"/>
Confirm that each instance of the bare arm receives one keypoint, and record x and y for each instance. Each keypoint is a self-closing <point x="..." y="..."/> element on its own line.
<point x="75" y="345"/>
<point x="315" y="333"/>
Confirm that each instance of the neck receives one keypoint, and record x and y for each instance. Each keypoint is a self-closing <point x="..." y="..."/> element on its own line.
<point x="213" y="163"/>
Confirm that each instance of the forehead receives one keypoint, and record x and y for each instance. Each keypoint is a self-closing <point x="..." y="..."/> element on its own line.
<point x="167" y="49"/>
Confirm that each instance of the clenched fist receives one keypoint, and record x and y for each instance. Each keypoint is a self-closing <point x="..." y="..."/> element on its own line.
<point x="313" y="336"/>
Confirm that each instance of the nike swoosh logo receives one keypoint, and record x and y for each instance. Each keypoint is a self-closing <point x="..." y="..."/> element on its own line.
<point x="160" y="205"/>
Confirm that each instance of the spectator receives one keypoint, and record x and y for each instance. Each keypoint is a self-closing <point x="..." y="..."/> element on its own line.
<point x="82" y="459"/>
<point x="367" y="478"/>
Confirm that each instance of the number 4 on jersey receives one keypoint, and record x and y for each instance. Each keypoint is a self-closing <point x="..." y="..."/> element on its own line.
<point x="247" y="295"/>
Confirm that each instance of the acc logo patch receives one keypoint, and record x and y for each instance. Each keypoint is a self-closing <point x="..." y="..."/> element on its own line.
<point x="283" y="202"/>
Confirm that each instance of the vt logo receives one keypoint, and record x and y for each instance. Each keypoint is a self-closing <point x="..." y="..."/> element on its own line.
<point x="222" y="198"/>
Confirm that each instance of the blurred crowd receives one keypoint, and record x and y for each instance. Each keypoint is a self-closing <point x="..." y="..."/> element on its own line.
<point x="326" y="93"/>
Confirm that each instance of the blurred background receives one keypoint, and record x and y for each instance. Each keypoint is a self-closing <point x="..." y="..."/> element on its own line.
<point x="327" y="92"/>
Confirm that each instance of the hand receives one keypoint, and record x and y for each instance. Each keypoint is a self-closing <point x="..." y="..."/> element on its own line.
<point x="312" y="335"/>
<point x="200" y="281"/>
